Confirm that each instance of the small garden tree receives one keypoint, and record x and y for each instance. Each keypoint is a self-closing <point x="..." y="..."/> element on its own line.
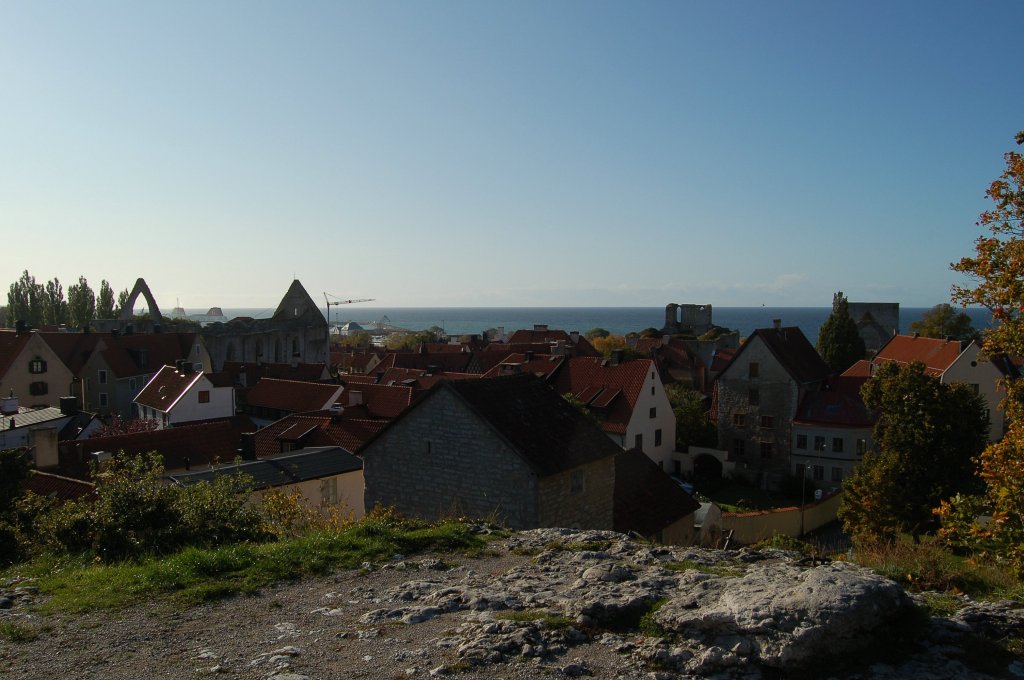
<point x="839" y="341"/>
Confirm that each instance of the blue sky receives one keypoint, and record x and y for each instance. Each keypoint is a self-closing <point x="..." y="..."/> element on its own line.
<point x="504" y="154"/>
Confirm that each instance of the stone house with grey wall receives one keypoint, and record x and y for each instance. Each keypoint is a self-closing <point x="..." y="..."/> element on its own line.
<point x="757" y="395"/>
<point x="509" y="448"/>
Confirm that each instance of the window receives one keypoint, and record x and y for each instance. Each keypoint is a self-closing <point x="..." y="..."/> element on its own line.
<point x="638" y="441"/>
<point x="801" y="470"/>
<point x="837" y="474"/>
<point x="801" y="441"/>
<point x="38" y="389"/>
<point x="103" y="377"/>
<point x="975" y="388"/>
<point x="576" y="482"/>
<point x="204" y="396"/>
<point x="767" y="421"/>
<point x="657" y="437"/>
<point x="753" y="397"/>
<point x="652" y="390"/>
<point x="755" y="369"/>
<point x="103" y="399"/>
<point x="739" y="447"/>
<point x="837" y="444"/>
<point x="738" y="419"/>
<point x="37" y="365"/>
<point x="819" y="443"/>
<point x="766" y="449"/>
<point x="862" y="447"/>
<point x="654" y="411"/>
<point x="677" y="467"/>
<point x="819" y="472"/>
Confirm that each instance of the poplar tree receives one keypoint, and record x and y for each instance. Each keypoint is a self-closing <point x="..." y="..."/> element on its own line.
<point x="105" y="302"/>
<point x="81" y="304"/>
<point x="839" y="341"/>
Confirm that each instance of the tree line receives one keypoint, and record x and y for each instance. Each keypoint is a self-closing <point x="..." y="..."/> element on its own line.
<point x="45" y="304"/>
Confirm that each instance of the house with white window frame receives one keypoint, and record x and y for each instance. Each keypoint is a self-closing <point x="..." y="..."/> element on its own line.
<point x="179" y="394"/>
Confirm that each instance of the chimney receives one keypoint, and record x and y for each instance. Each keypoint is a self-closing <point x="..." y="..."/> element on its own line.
<point x="69" y="406"/>
<point x="617" y="356"/>
<point x="575" y="337"/>
<point x="355" y="397"/>
<point x="248" y="446"/>
<point x="9" y="405"/>
<point x="20" y="327"/>
<point x="777" y="323"/>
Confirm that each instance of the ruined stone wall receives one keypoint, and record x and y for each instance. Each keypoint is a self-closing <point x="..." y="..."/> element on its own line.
<point x="876" y="321"/>
<point x="686" y="318"/>
<point x="440" y="461"/>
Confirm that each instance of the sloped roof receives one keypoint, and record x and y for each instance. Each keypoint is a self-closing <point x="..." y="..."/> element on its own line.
<point x="937" y="355"/>
<point x="27" y="417"/>
<point x="861" y="369"/>
<point x="292" y="395"/>
<point x="793" y="351"/>
<point x="58" y="487"/>
<point x="11" y="345"/>
<point x="603" y="385"/>
<point x="126" y="355"/>
<point x="321" y="428"/>
<point x="550" y="434"/>
<point x="281" y="371"/>
<point x="543" y="366"/>
<point x="646" y="499"/>
<point x="293" y="467"/>
<point x="456" y="362"/>
<point x="166" y="388"/>
<point x="383" y="401"/>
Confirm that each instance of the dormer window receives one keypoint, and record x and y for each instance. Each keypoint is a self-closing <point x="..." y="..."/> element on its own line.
<point x="37" y="366"/>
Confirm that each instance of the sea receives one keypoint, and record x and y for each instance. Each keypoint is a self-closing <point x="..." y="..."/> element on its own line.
<point x="616" y="320"/>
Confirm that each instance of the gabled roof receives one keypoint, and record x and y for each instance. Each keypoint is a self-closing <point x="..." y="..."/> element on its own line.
<point x="550" y="434"/>
<point x="290" y="468"/>
<point x="646" y="499"/>
<point x="456" y="362"/>
<point x="612" y="388"/>
<point x="166" y="388"/>
<point x="296" y="305"/>
<point x="543" y="366"/>
<point x="293" y="396"/>
<point x="57" y="487"/>
<point x="11" y="345"/>
<point x="350" y="431"/>
<point x="126" y="355"/>
<point x="937" y="355"/>
<point x="793" y="351"/>
<point x="27" y="417"/>
<point x="382" y="401"/>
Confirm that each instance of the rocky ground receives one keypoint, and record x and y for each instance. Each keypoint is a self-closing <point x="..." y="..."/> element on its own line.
<point x="542" y="603"/>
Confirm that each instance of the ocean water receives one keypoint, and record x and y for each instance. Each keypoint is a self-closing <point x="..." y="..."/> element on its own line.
<point x="617" y="320"/>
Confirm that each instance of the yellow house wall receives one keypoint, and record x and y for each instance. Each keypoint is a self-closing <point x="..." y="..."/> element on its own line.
<point x="750" y="528"/>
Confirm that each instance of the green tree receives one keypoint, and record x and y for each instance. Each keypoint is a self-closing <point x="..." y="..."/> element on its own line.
<point x="693" y="428"/>
<point x="55" y="307"/>
<point x="839" y="341"/>
<point x="925" y="441"/>
<point x="15" y="467"/>
<point x="105" y="301"/>
<point x="997" y="269"/>
<point x="122" y="300"/>
<point x="25" y="300"/>
<point x="81" y="304"/>
<point x="595" y="333"/>
<point x="942" y="321"/>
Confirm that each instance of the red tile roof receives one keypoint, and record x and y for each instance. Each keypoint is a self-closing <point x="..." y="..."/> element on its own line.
<point x="320" y="428"/>
<point x="937" y="355"/>
<point x="612" y="389"/>
<point x="293" y="396"/>
<point x="543" y="366"/>
<point x="381" y="401"/>
<point x="793" y="351"/>
<point x="55" y="486"/>
<point x="166" y="388"/>
<point x="838" y="404"/>
<point x="11" y="345"/>
<point x="127" y="355"/>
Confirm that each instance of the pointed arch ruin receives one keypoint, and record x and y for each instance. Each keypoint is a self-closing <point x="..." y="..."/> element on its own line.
<point x="128" y="311"/>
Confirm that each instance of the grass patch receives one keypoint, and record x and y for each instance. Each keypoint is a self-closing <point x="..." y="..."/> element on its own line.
<point x="784" y="542"/>
<point x="549" y="620"/>
<point x="639" y="618"/>
<point x="198" y="575"/>
<point x="929" y="565"/>
<point x="17" y="632"/>
<point x="941" y="604"/>
<point x="723" y="570"/>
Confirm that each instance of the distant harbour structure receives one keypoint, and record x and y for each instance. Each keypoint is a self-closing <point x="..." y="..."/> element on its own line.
<point x="213" y="315"/>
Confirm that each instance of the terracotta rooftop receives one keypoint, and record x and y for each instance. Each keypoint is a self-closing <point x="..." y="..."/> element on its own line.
<point x="611" y="389"/>
<point x="54" y="486"/>
<point x="837" y="405"/>
<point x="292" y="395"/>
<point x="11" y="345"/>
<point x="350" y="430"/>
<point x="164" y="390"/>
<point x="937" y="355"/>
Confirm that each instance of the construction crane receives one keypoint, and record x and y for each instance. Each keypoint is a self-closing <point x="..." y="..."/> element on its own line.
<point x="338" y="301"/>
